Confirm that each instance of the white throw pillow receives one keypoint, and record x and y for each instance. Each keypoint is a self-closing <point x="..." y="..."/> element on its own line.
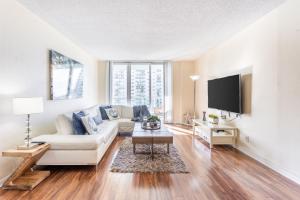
<point x="112" y="113"/>
<point x="90" y="125"/>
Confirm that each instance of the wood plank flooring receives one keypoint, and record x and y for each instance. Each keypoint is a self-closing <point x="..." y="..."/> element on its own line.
<point x="221" y="173"/>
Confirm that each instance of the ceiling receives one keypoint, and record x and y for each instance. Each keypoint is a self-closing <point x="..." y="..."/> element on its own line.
<point x="149" y="29"/>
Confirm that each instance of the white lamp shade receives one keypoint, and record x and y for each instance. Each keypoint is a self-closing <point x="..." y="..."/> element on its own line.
<point x="32" y="105"/>
<point x="195" y="77"/>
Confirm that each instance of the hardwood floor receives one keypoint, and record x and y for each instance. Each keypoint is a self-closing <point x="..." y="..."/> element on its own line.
<point x="221" y="173"/>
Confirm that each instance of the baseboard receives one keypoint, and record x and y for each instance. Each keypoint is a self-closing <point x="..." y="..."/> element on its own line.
<point x="273" y="166"/>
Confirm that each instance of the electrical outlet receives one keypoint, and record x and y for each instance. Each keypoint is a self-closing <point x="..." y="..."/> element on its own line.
<point x="247" y="139"/>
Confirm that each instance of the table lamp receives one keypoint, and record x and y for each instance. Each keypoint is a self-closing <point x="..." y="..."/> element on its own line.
<point x="27" y="106"/>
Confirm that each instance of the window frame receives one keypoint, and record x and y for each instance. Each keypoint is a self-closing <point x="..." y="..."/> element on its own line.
<point x="129" y="63"/>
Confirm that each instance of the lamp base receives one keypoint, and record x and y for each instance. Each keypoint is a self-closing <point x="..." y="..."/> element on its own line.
<point x="27" y="147"/>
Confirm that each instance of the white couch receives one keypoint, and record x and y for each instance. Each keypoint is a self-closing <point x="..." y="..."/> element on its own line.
<point x="69" y="149"/>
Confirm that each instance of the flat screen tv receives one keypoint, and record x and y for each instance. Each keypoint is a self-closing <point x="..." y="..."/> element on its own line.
<point x="225" y="94"/>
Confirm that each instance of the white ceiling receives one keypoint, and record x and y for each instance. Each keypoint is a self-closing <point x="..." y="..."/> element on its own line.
<point x="149" y="29"/>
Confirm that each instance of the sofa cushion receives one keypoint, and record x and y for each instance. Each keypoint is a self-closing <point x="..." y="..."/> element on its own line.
<point x="125" y="125"/>
<point x="108" y="129"/>
<point x="71" y="142"/>
<point x="125" y="122"/>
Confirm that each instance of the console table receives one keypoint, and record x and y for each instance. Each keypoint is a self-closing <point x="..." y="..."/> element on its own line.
<point x="215" y="133"/>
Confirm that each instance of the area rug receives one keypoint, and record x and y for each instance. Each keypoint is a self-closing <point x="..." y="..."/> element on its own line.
<point x="128" y="162"/>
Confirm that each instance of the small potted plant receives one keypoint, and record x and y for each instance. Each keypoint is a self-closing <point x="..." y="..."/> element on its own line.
<point x="153" y="120"/>
<point x="214" y="118"/>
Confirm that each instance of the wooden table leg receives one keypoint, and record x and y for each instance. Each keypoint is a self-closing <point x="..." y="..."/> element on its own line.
<point x="134" y="148"/>
<point x="235" y="133"/>
<point x="211" y="141"/>
<point x="168" y="148"/>
<point x="152" y="155"/>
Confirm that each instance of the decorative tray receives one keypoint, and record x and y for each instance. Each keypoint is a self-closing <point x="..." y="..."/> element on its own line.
<point x="149" y="126"/>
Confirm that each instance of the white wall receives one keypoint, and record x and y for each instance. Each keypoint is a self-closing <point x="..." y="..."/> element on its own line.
<point x="182" y="89"/>
<point x="24" y="44"/>
<point x="270" y="51"/>
<point x="103" y="82"/>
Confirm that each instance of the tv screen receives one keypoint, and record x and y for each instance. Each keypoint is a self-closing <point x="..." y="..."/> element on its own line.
<point x="225" y="94"/>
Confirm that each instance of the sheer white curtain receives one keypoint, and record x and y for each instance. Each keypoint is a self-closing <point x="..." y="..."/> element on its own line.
<point x="168" y="96"/>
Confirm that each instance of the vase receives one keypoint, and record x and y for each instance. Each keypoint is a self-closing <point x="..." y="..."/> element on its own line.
<point x="204" y="116"/>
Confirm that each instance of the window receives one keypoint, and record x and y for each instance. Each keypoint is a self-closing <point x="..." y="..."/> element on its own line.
<point x="140" y="84"/>
<point x="133" y="83"/>
<point x="119" y="83"/>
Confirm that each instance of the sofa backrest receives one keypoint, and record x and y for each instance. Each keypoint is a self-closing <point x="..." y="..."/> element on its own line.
<point x="63" y="122"/>
<point x="124" y="111"/>
<point x="127" y="112"/>
<point x="64" y="125"/>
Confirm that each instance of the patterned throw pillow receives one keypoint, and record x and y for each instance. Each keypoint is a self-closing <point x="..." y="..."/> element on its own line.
<point x="89" y="125"/>
<point x="94" y="113"/>
<point x="78" y="126"/>
<point x="112" y="113"/>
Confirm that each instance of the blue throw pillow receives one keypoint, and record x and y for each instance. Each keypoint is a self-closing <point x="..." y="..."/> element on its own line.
<point x="97" y="119"/>
<point x="103" y="112"/>
<point x="78" y="126"/>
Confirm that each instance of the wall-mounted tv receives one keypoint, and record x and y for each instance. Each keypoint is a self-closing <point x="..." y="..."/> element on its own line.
<point x="225" y="94"/>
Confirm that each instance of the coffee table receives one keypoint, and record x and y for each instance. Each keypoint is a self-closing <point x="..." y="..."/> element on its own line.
<point x="151" y="137"/>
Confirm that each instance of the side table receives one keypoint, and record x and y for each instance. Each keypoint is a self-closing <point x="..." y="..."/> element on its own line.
<point x="25" y="177"/>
